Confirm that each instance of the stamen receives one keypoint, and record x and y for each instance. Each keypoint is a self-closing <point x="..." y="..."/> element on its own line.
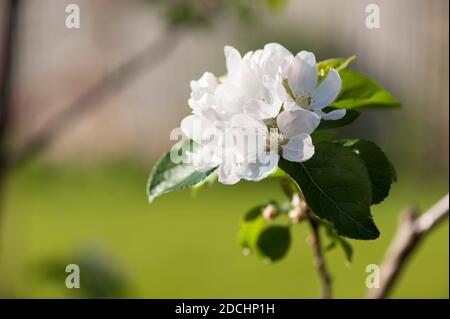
<point x="303" y="100"/>
<point x="275" y="140"/>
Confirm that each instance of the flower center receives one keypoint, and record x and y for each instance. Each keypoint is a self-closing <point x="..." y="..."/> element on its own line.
<point x="303" y="100"/>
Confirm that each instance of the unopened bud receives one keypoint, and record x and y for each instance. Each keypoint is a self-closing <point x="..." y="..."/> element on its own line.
<point x="298" y="213"/>
<point x="269" y="212"/>
<point x="296" y="200"/>
<point x="295" y="214"/>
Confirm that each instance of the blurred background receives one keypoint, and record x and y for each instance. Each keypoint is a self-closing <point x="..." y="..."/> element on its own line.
<point x="81" y="199"/>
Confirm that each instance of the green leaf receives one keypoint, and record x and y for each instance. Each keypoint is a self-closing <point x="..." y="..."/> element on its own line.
<point x="338" y="64"/>
<point x="273" y="243"/>
<point x="249" y="229"/>
<point x="345" y="245"/>
<point x="393" y="172"/>
<point x="168" y="176"/>
<point x="323" y="135"/>
<point x="358" y="91"/>
<point x="350" y="117"/>
<point x="381" y="171"/>
<point x="336" y="186"/>
<point x="338" y="240"/>
<point x="347" y="248"/>
<point x="210" y="180"/>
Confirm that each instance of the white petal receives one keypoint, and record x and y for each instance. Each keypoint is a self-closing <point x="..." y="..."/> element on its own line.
<point x="251" y="81"/>
<point x="187" y="126"/>
<point x="197" y="128"/>
<point x="302" y="73"/>
<point x="232" y="98"/>
<point x="233" y="61"/>
<point x="228" y="173"/>
<point x="333" y="115"/>
<point x="248" y="56"/>
<point x="245" y="121"/>
<point x="266" y="165"/>
<point x="248" y="136"/>
<point x="299" y="148"/>
<point x="262" y="110"/>
<point x="209" y="108"/>
<point x="278" y="48"/>
<point x="274" y="91"/>
<point x="297" y="121"/>
<point x="327" y="91"/>
<point x="275" y="60"/>
<point x="206" y="85"/>
<point x="206" y="157"/>
<point x="207" y="82"/>
<point x="290" y="106"/>
<point x="283" y="95"/>
<point x="243" y="86"/>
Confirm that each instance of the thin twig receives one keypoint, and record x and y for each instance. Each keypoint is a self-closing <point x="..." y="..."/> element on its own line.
<point x="319" y="259"/>
<point x="146" y="60"/>
<point x="411" y="230"/>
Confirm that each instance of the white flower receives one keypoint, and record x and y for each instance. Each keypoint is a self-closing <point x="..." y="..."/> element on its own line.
<point x="303" y="90"/>
<point x="236" y="118"/>
<point x="295" y="128"/>
<point x="273" y="60"/>
<point x="245" y="84"/>
<point x="248" y="147"/>
<point x="201" y="88"/>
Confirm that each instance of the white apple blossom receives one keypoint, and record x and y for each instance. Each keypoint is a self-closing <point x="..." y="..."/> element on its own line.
<point x="273" y="61"/>
<point x="303" y="91"/>
<point x="239" y="120"/>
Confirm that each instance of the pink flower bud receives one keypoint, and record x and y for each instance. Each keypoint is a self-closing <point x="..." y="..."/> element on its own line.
<point x="269" y="211"/>
<point x="295" y="215"/>
<point x="296" y="200"/>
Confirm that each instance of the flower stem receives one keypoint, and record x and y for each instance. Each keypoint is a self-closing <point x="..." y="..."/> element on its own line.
<point x="319" y="260"/>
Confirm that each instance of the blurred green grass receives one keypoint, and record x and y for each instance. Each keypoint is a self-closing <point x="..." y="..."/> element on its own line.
<point x="184" y="246"/>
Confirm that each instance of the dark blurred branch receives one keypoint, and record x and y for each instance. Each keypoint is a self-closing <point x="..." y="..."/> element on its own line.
<point x="411" y="230"/>
<point x="10" y="38"/>
<point x="145" y="61"/>
<point x="319" y="259"/>
<point x="9" y="46"/>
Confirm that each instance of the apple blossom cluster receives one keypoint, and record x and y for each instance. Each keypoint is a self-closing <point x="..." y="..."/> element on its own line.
<point x="266" y="106"/>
